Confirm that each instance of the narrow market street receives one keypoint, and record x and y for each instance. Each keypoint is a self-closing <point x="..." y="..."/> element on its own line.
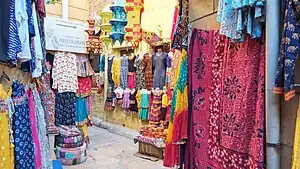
<point x="105" y="152"/>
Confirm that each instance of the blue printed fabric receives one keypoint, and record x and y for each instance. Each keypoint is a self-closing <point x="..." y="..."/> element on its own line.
<point x="24" y="147"/>
<point x="285" y="82"/>
<point x="124" y="72"/>
<point x="102" y="63"/>
<point x="65" y="108"/>
<point x="30" y="18"/>
<point x="239" y="16"/>
<point x="14" y="43"/>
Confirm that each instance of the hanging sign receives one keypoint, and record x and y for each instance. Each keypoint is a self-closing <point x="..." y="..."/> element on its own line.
<point x="66" y="36"/>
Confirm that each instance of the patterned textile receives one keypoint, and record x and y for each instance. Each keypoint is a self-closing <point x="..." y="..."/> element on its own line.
<point x="143" y="103"/>
<point x="69" y="139"/>
<point x="133" y="102"/>
<point x="109" y="102"/>
<point x="71" y="156"/>
<point x="84" y="87"/>
<point x="148" y="71"/>
<point x="131" y="80"/>
<point x="4" y="18"/>
<point x="34" y="130"/>
<point x="65" y="108"/>
<point x="174" y="64"/>
<point x="116" y="66"/>
<point x="82" y="112"/>
<point x="237" y="16"/>
<point x="71" y="145"/>
<point x="157" y="142"/>
<point x="154" y="115"/>
<point x="69" y="130"/>
<point x="30" y="18"/>
<point x="223" y="118"/>
<point x="14" y="43"/>
<point x="126" y="101"/>
<point x="24" y="147"/>
<point x="290" y="44"/>
<point x="84" y="67"/>
<point x="40" y="6"/>
<point x="48" y="102"/>
<point x="64" y="72"/>
<point x="6" y="142"/>
<point x="124" y="72"/>
<point x="140" y="81"/>
<point x="42" y="132"/>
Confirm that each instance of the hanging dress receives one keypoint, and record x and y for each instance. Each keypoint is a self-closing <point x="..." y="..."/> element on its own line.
<point x="24" y="147"/>
<point x="154" y="115"/>
<point x="148" y="71"/>
<point x="144" y="105"/>
<point x="140" y="75"/>
<point x="126" y="100"/>
<point x="131" y="72"/>
<point x="65" y="108"/>
<point x="7" y="149"/>
<point x="116" y="66"/>
<point x="133" y="102"/>
<point x="109" y="102"/>
<point x="124" y="72"/>
<point x="159" y="69"/>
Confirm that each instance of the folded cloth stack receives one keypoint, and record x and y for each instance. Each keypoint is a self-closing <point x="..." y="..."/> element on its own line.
<point x="70" y="145"/>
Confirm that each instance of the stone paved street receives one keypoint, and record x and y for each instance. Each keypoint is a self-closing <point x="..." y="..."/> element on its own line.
<point x="105" y="152"/>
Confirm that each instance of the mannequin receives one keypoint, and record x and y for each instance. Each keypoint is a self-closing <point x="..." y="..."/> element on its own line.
<point x="159" y="68"/>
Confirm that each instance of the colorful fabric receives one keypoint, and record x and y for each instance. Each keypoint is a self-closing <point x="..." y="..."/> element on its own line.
<point x="223" y="118"/>
<point x="34" y="130"/>
<point x="140" y="81"/>
<point x="148" y="71"/>
<point x="131" y="61"/>
<point x="116" y="68"/>
<point x="84" y="67"/>
<point x="69" y="131"/>
<point x="154" y="115"/>
<point x="6" y="153"/>
<point x="64" y="72"/>
<point x="296" y="150"/>
<point x="102" y="63"/>
<point x="42" y="132"/>
<point x="126" y="100"/>
<point x="84" y="87"/>
<point x="143" y="103"/>
<point x="82" y="112"/>
<point x="69" y="140"/>
<point x="285" y="76"/>
<point x="133" y="102"/>
<point x="24" y="147"/>
<point x="65" y="108"/>
<point x="237" y="16"/>
<point x="131" y="80"/>
<point x="48" y="102"/>
<point x="159" y="143"/>
<point x="124" y="72"/>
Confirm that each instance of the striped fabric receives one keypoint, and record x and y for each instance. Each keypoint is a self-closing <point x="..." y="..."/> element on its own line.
<point x="14" y="43"/>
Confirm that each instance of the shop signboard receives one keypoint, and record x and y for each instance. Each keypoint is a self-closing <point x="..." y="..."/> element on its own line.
<point x="66" y="36"/>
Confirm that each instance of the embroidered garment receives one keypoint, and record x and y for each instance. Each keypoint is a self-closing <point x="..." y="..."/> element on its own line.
<point x="14" y="43"/>
<point x="143" y="103"/>
<point x="124" y="72"/>
<point x="133" y="109"/>
<point x="48" y="101"/>
<point x="42" y="132"/>
<point x="148" y="71"/>
<point x="34" y="130"/>
<point x="82" y="112"/>
<point x="24" y="147"/>
<point x="6" y="144"/>
<point x="84" y="87"/>
<point x="140" y="82"/>
<point x="64" y="72"/>
<point x="65" y="108"/>
<point x="116" y="67"/>
<point x="290" y="44"/>
<point x="223" y="118"/>
<point x="154" y="115"/>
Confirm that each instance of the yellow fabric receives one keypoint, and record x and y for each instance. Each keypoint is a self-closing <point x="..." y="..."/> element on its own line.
<point x="116" y="71"/>
<point x="84" y="128"/>
<point x="165" y="100"/>
<point x="138" y="98"/>
<point x="296" y="151"/>
<point x="7" y="159"/>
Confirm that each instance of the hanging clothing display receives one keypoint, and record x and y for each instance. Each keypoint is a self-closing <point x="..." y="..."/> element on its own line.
<point x="140" y="82"/>
<point x="24" y="147"/>
<point x="64" y="72"/>
<point x="237" y="16"/>
<point x="116" y="66"/>
<point x="148" y="71"/>
<point x="131" y="72"/>
<point x="159" y="66"/>
<point x="84" y="67"/>
<point x="4" y="18"/>
<point x="109" y="102"/>
<point x="143" y="103"/>
<point x="285" y="76"/>
<point x="84" y="87"/>
<point x="6" y="142"/>
<point x="223" y="119"/>
<point x="126" y="100"/>
<point x="124" y="72"/>
<point x="133" y="102"/>
<point x="154" y="115"/>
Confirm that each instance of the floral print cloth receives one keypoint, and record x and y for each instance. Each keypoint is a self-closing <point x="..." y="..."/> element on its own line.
<point x="124" y="72"/>
<point x="84" y="87"/>
<point x="148" y="71"/>
<point x="64" y="72"/>
<point x="290" y="44"/>
<point x="140" y="81"/>
<point x="24" y="147"/>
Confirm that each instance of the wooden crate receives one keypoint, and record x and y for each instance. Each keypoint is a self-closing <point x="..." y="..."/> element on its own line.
<point x="149" y="149"/>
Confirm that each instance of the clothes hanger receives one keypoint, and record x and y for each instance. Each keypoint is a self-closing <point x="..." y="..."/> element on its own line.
<point x="5" y="76"/>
